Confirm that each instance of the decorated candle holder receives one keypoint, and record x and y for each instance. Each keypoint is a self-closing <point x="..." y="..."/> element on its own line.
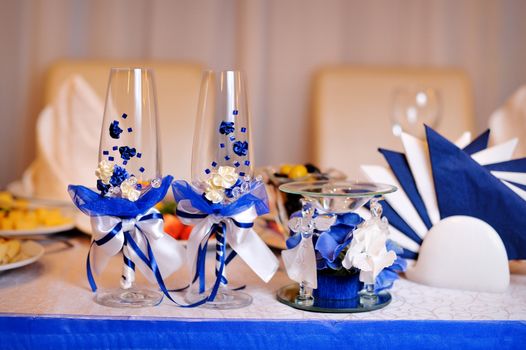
<point x="129" y="184"/>
<point x="342" y="263"/>
<point x="224" y="198"/>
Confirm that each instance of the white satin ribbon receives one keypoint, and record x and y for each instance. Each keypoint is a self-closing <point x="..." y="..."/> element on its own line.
<point x="244" y="241"/>
<point x="167" y="251"/>
<point x="300" y="263"/>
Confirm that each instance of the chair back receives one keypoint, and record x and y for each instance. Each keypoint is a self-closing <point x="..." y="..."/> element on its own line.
<point x="352" y="109"/>
<point x="177" y="95"/>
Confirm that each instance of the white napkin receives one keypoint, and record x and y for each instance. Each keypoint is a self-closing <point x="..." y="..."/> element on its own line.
<point x="509" y="121"/>
<point x="68" y="134"/>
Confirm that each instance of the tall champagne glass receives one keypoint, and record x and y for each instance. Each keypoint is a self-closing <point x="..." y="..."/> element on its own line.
<point x="222" y="145"/>
<point x="129" y="146"/>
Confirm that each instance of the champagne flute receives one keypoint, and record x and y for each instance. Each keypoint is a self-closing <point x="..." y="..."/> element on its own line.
<point x="222" y="145"/>
<point x="129" y="164"/>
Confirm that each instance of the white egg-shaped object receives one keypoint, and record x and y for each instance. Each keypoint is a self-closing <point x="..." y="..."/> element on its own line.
<point x="462" y="252"/>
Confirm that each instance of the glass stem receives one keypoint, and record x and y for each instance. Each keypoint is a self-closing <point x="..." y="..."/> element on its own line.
<point x="367" y="296"/>
<point x="220" y="254"/>
<point x="369" y="289"/>
<point x="304" y="296"/>
<point x="128" y="269"/>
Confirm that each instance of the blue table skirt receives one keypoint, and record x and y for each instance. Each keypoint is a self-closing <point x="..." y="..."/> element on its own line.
<point x="26" y="332"/>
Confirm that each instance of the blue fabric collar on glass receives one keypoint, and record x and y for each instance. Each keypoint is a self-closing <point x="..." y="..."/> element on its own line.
<point x="93" y="204"/>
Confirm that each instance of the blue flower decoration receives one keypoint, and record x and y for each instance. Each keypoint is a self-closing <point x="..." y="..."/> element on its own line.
<point x="226" y="128"/>
<point x="329" y="244"/>
<point x="102" y="187"/>
<point x="240" y="148"/>
<point x="126" y="152"/>
<point x="115" y="130"/>
<point x="386" y="278"/>
<point x="119" y="175"/>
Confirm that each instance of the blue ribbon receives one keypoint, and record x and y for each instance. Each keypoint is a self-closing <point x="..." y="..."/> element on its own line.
<point x="256" y="197"/>
<point x="148" y="260"/>
<point x="220" y="230"/>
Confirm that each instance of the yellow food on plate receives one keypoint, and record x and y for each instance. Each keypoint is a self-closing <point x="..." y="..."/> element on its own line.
<point x="7" y="202"/>
<point x="285" y="169"/>
<point x="11" y="251"/>
<point x="15" y="214"/>
<point x="298" y="171"/>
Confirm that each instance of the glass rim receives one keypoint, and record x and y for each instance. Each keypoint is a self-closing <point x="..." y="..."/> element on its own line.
<point x="132" y="68"/>
<point x="308" y="188"/>
<point x="219" y="71"/>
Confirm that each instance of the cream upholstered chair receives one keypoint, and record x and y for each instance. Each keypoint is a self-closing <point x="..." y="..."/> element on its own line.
<point x="352" y="111"/>
<point x="177" y="94"/>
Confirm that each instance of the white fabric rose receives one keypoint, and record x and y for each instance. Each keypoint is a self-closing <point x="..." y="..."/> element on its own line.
<point x="104" y="171"/>
<point x="367" y="251"/>
<point x="214" y="195"/>
<point x="225" y="177"/>
<point x="129" y="189"/>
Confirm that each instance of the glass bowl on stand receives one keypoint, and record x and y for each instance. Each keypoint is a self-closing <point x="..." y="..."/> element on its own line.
<point x="273" y="227"/>
<point x="332" y="199"/>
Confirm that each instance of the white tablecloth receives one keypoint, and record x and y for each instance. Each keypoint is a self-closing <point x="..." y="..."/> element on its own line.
<point x="57" y="285"/>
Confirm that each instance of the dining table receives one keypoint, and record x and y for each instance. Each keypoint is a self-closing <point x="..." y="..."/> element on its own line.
<point x="49" y="304"/>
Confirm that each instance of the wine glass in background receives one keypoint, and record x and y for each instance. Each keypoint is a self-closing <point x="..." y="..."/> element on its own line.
<point x="222" y="145"/>
<point x="413" y="107"/>
<point x="129" y="146"/>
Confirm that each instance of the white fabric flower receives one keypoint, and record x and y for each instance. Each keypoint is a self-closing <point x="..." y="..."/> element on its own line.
<point x="215" y="195"/>
<point x="105" y="171"/>
<point x="129" y="189"/>
<point x="225" y="177"/>
<point x="367" y="251"/>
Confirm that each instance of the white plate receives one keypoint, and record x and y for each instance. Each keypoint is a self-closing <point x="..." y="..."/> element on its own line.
<point x="32" y="249"/>
<point x="66" y="211"/>
<point x="38" y="231"/>
<point x="17" y="189"/>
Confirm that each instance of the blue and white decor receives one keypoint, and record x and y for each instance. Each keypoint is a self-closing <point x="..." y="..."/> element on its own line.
<point x="326" y="251"/>
<point x="232" y="223"/>
<point x="122" y="215"/>
<point x="462" y="182"/>
<point x="224" y="198"/>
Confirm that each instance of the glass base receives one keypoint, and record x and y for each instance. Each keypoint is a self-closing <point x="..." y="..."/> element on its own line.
<point x="368" y="299"/>
<point x="128" y="298"/>
<point x="225" y="299"/>
<point x="304" y="300"/>
<point x="288" y="295"/>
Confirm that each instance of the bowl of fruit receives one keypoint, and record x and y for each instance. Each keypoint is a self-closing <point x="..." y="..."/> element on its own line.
<point x="172" y="225"/>
<point x="273" y="227"/>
